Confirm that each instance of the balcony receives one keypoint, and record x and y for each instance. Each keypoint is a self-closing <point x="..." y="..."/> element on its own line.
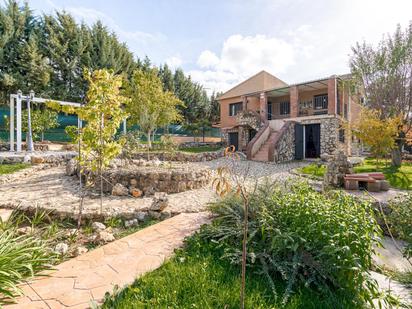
<point x="317" y="106"/>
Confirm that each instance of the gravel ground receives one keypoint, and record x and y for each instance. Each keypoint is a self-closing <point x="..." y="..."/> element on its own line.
<point x="255" y="169"/>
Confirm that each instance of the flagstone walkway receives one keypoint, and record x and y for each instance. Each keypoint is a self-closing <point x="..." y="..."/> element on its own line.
<point x="82" y="281"/>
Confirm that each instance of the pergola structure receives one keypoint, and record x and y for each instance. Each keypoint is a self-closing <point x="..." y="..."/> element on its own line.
<point x="15" y="112"/>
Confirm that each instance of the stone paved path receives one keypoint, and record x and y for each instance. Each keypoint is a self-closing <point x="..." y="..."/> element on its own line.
<point x="81" y="281"/>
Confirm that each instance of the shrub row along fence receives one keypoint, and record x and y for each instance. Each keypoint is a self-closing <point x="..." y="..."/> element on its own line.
<point x="59" y="135"/>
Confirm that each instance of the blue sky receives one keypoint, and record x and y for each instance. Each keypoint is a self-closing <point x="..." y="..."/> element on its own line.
<point x="220" y="43"/>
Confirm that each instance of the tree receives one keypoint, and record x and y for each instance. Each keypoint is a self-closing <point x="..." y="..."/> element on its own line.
<point x="64" y="44"/>
<point x="41" y="121"/>
<point x="215" y="107"/>
<point x="17" y="25"/>
<point x="150" y="106"/>
<point x="377" y="133"/>
<point x="384" y="74"/>
<point x="103" y="114"/>
<point x="34" y="68"/>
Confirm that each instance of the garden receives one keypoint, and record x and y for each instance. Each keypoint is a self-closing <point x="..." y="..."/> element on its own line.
<point x="120" y="217"/>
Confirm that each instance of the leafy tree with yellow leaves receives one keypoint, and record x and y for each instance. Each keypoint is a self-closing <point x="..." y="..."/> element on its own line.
<point x="377" y="132"/>
<point x="150" y="106"/>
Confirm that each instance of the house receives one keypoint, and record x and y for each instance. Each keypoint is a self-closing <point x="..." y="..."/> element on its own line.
<point x="270" y="120"/>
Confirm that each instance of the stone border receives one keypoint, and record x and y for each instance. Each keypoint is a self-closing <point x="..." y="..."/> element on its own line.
<point x="49" y="157"/>
<point x="178" y="156"/>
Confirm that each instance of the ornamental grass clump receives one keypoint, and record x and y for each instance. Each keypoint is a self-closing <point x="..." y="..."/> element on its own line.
<point x="21" y="257"/>
<point x="322" y="241"/>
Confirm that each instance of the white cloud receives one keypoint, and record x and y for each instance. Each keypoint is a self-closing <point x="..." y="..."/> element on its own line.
<point x="208" y="59"/>
<point x="174" y="62"/>
<point x="241" y="57"/>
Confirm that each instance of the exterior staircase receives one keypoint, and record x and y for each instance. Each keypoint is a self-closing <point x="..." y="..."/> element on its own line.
<point x="263" y="153"/>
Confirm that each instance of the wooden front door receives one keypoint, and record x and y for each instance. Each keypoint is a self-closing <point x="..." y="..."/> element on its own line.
<point x="234" y="139"/>
<point x="298" y="141"/>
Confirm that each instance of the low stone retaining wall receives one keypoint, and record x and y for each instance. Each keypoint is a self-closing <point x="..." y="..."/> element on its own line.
<point x="179" y="156"/>
<point x="52" y="158"/>
<point x="141" y="180"/>
<point x="37" y="147"/>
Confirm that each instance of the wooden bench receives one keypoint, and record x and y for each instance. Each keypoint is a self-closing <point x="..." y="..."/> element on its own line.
<point x="373" y="182"/>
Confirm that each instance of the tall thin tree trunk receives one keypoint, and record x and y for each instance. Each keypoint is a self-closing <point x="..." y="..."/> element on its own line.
<point x="149" y="139"/>
<point x="101" y="164"/>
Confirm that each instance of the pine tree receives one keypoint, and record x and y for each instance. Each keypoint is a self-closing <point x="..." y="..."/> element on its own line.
<point x="166" y="76"/>
<point x="16" y="25"/>
<point x="34" y="69"/>
<point x="64" y="45"/>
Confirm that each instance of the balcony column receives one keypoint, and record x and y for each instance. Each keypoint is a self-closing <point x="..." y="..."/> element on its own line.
<point x="263" y="105"/>
<point x="332" y="95"/>
<point x="294" y="101"/>
<point x="244" y="103"/>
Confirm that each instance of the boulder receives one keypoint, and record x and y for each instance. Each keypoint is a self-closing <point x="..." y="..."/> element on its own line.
<point x="136" y="192"/>
<point x="105" y="236"/>
<point x="160" y="201"/>
<point x="71" y="167"/>
<point x="37" y="160"/>
<point x="81" y="250"/>
<point x="165" y="215"/>
<point x="25" y="230"/>
<point x="131" y="223"/>
<point x="336" y="168"/>
<point x="26" y="159"/>
<point x="61" y="248"/>
<point x="154" y="214"/>
<point x="141" y="216"/>
<point x="98" y="226"/>
<point x="120" y="190"/>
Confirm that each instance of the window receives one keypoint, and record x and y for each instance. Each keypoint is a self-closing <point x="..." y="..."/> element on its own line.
<point x="235" y="108"/>
<point x="342" y="135"/>
<point x="320" y="101"/>
<point x="284" y="108"/>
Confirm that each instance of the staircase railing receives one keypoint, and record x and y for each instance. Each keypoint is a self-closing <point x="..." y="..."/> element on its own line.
<point x="258" y="140"/>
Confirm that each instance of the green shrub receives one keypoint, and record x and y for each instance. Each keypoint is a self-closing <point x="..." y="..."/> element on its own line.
<point x="20" y="258"/>
<point x="323" y="241"/>
<point x="400" y="220"/>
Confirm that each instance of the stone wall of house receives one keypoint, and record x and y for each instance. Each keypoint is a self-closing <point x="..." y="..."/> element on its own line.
<point x="285" y="146"/>
<point x="178" y="156"/>
<point x="329" y="130"/>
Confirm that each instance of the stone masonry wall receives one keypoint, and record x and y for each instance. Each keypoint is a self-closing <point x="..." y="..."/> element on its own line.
<point x="178" y="156"/>
<point x="285" y="147"/>
<point x="329" y="128"/>
<point x="157" y="179"/>
<point x="37" y="147"/>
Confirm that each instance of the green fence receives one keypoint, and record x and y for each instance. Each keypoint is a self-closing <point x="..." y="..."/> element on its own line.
<point x="59" y="135"/>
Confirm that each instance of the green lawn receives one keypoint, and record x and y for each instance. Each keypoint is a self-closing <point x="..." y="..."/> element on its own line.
<point x="197" y="277"/>
<point x="11" y="168"/>
<point x="200" y="149"/>
<point x="400" y="178"/>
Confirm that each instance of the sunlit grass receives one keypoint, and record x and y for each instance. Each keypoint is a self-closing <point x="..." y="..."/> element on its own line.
<point x="197" y="277"/>
<point x="400" y="178"/>
<point x="11" y="168"/>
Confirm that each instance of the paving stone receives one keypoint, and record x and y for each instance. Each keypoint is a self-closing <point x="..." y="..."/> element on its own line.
<point x="88" y="277"/>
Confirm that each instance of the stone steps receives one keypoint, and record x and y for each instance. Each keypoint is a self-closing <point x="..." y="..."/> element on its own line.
<point x="263" y="153"/>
